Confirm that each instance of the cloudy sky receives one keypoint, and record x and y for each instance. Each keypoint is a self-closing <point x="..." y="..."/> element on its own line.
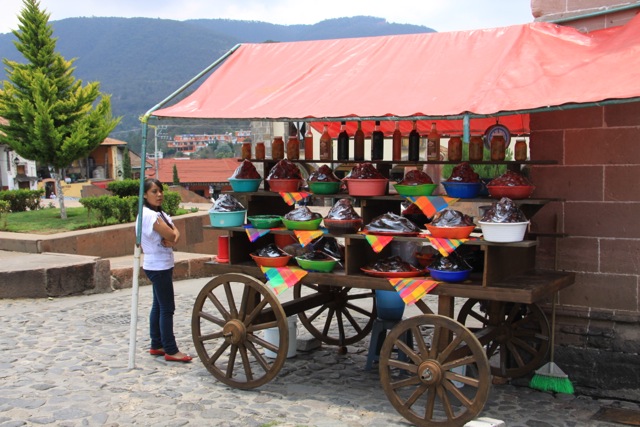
<point x="441" y="15"/>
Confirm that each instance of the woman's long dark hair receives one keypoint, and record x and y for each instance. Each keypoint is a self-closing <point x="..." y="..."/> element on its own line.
<point x="148" y="183"/>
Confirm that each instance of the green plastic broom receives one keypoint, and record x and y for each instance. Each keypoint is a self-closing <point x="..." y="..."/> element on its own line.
<point x="550" y="377"/>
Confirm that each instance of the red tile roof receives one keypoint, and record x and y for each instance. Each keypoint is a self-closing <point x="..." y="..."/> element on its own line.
<point x="195" y="170"/>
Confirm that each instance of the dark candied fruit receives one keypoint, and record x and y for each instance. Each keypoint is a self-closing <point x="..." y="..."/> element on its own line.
<point x="246" y="170"/>
<point x="284" y="169"/>
<point x="451" y="218"/>
<point x="505" y="210"/>
<point x="364" y="171"/>
<point x="390" y="223"/>
<point x="302" y="213"/>
<point x="416" y="177"/>
<point x="270" y="251"/>
<point x="393" y="264"/>
<point x="323" y="174"/>
<point x="463" y="172"/>
<point x="343" y="209"/>
<point x="453" y="262"/>
<point x="330" y="246"/>
<point x="227" y="203"/>
<point x="509" y="179"/>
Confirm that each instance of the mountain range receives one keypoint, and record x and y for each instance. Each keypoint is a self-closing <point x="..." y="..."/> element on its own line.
<point x="140" y="61"/>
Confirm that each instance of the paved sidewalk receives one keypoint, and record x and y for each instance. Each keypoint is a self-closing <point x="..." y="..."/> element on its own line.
<point x="64" y="363"/>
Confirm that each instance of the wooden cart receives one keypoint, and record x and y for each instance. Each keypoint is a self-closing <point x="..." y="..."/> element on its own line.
<point x="499" y="330"/>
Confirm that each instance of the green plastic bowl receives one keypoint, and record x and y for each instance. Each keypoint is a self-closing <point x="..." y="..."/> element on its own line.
<point x="265" y="221"/>
<point x="323" y="266"/>
<point x="415" y="190"/>
<point x="324" y="187"/>
<point x="312" y="224"/>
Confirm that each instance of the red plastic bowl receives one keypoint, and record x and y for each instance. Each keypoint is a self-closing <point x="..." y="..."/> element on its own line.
<point x="285" y="185"/>
<point x="367" y="187"/>
<point x="461" y="232"/>
<point x="513" y="192"/>
<point x="265" y="261"/>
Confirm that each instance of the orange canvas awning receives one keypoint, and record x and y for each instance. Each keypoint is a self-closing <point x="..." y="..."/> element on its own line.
<point x="482" y="73"/>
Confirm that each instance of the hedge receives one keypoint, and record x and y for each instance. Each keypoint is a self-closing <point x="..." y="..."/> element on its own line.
<point x="21" y="200"/>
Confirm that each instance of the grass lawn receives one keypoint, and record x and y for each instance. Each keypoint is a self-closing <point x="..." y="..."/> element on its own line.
<point x="48" y="221"/>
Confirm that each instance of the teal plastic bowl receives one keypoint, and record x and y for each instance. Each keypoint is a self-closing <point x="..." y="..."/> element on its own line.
<point x="227" y="219"/>
<point x="312" y="224"/>
<point x="323" y="266"/>
<point x="415" y="190"/>
<point x="324" y="187"/>
<point x="245" y="185"/>
<point x="462" y="190"/>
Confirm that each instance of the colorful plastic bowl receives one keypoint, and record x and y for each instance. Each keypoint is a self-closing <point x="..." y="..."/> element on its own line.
<point x="339" y="227"/>
<point x="324" y="187"/>
<point x="323" y="266"/>
<point x="367" y="187"/>
<point x="450" y="276"/>
<point x="514" y="192"/>
<point x="461" y="232"/>
<point x="265" y="261"/>
<point x="312" y="224"/>
<point x="227" y="219"/>
<point x="503" y="232"/>
<point x="265" y="221"/>
<point x="415" y="190"/>
<point x="462" y="190"/>
<point x="284" y="185"/>
<point x="245" y="185"/>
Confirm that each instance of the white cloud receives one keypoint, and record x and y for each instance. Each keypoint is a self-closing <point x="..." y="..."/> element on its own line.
<point x="447" y="15"/>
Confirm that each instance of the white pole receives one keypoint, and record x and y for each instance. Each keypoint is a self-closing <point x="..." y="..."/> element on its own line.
<point x="134" y="307"/>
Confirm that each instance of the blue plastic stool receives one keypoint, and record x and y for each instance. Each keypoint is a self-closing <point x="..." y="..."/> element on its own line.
<point x="378" y="335"/>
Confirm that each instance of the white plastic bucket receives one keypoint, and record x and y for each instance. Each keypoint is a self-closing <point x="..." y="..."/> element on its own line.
<point x="272" y="336"/>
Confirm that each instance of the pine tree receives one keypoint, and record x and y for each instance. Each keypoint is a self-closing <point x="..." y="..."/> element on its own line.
<point x="126" y="164"/>
<point x="52" y="118"/>
<point x="176" y="179"/>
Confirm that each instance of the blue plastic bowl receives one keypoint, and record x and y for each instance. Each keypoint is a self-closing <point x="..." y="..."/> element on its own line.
<point x="462" y="190"/>
<point x="245" y="185"/>
<point x="450" y="276"/>
<point x="227" y="219"/>
<point x="389" y="305"/>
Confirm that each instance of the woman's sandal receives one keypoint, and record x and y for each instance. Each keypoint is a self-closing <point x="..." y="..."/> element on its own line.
<point x="185" y="358"/>
<point x="156" y="352"/>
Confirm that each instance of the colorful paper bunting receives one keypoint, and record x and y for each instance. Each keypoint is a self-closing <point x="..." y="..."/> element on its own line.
<point x="304" y="236"/>
<point x="412" y="290"/>
<point x="282" y="278"/>
<point x="255" y="233"/>
<point x="378" y="242"/>
<point x="446" y="246"/>
<point x="292" y="198"/>
<point x="429" y="205"/>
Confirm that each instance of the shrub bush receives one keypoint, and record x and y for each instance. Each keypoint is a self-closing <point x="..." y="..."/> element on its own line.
<point x="21" y="200"/>
<point x="124" y="209"/>
<point x="124" y="188"/>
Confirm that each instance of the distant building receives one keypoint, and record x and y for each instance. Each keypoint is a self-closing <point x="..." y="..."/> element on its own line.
<point x="15" y="171"/>
<point x="190" y="143"/>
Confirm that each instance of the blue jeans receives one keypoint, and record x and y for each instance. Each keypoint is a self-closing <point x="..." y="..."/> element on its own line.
<point x="161" y="317"/>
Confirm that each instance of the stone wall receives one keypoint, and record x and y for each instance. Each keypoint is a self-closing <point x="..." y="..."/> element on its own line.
<point x="597" y="174"/>
<point x="598" y="154"/>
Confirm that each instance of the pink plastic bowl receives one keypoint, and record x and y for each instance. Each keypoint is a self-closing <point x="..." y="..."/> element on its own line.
<point x="367" y="187"/>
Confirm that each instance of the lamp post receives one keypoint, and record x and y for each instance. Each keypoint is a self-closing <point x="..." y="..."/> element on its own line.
<point x="157" y="131"/>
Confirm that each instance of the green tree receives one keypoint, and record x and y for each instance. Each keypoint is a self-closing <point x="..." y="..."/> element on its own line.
<point x="126" y="164"/>
<point x="52" y="118"/>
<point x="176" y="179"/>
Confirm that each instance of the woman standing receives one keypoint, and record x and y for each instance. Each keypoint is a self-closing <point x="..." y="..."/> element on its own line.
<point x="158" y="238"/>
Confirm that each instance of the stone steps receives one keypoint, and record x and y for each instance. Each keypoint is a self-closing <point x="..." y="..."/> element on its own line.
<point x="48" y="274"/>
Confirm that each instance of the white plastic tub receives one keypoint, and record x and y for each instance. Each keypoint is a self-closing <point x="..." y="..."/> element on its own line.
<point x="272" y="336"/>
<point x="503" y="232"/>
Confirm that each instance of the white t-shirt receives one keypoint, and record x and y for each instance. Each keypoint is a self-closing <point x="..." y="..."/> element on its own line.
<point x="156" y="256"/>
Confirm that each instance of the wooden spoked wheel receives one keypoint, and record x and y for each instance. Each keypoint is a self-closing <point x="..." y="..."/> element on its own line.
<point x="516" y="336"/>
<point x="429" y="382"/>
<point x="228" y="324"/>
<point x="345" y="318"/>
